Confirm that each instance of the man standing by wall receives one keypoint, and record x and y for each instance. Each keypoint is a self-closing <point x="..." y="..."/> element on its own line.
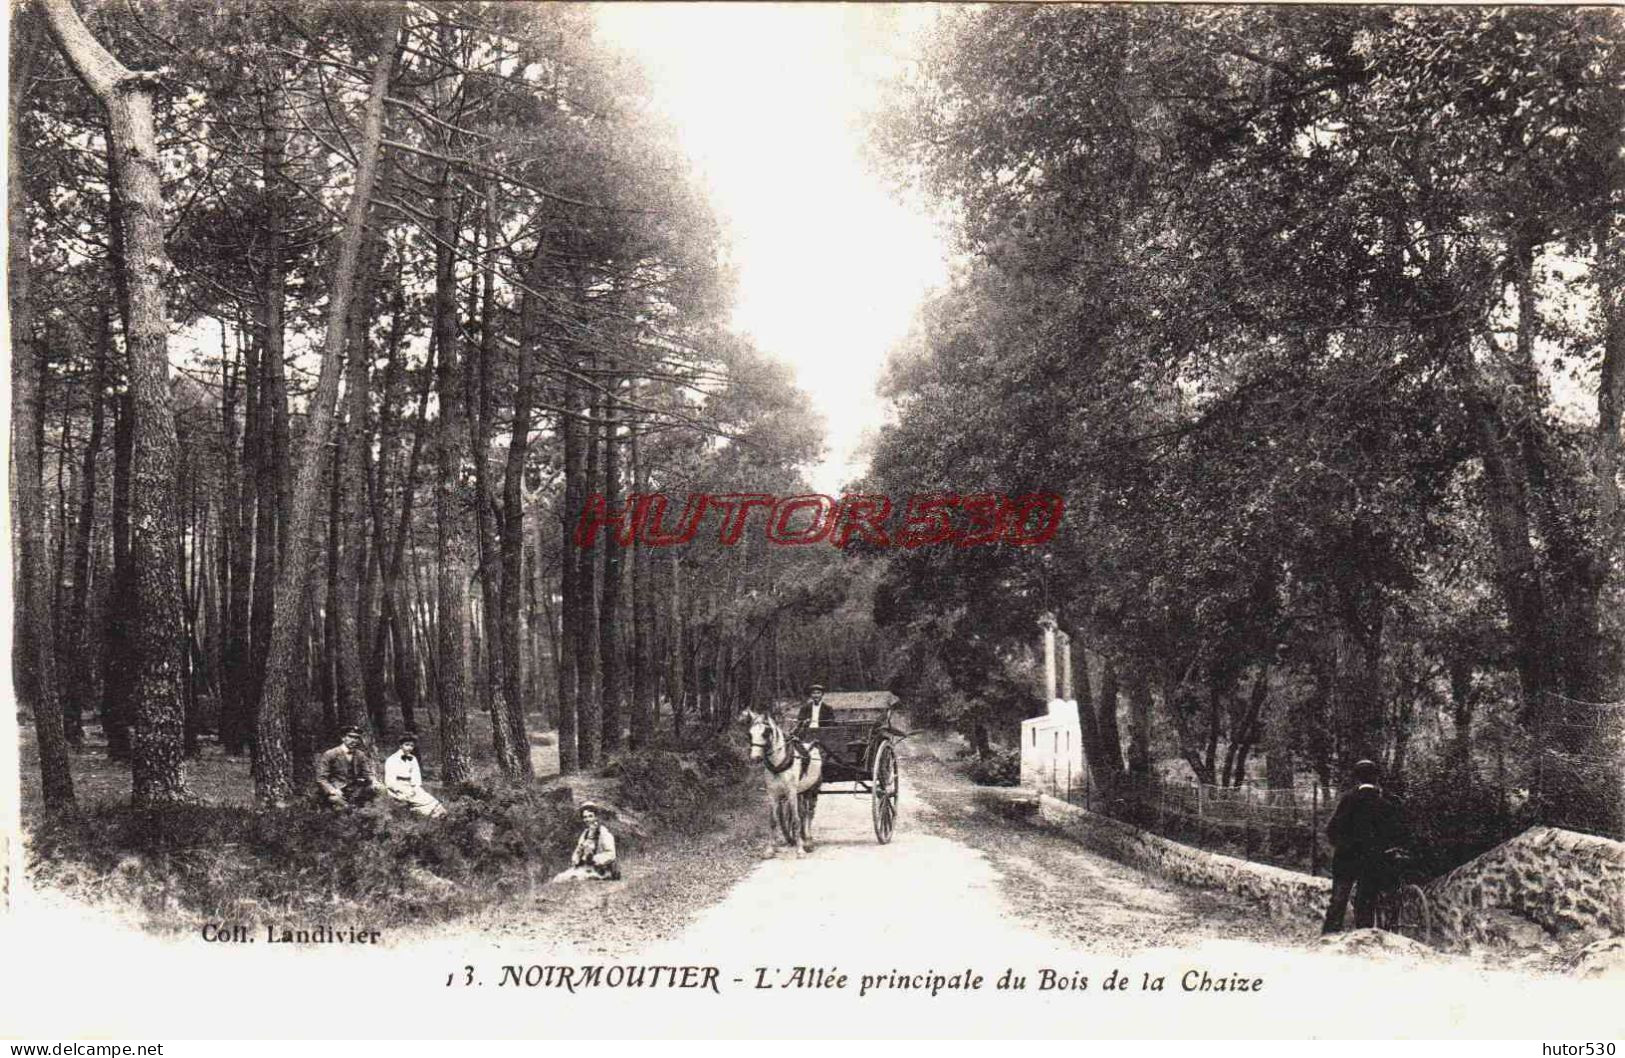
<point x="1364" y="830"/>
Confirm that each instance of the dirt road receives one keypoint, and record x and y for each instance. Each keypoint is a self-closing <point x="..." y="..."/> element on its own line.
<point x="966" y="925"/>
<point x="958" y="877"/>
<point x="963" y="891"/>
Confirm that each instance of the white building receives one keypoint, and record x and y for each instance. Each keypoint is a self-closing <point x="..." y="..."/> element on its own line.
<point x="1052" y="744"/>
<point x="1052" y="749"/>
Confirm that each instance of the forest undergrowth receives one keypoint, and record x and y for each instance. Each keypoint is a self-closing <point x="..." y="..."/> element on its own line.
<point x="177" y="866"/>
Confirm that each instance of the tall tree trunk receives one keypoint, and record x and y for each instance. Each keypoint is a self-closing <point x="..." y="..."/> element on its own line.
<point x="1210" y="749"/>
<point x="191" y="586"/>
<point x="513" y="506"/>
<point x="1360" y="685"/>
<point x="1110" y="735"/>
<point x="642" y="718"/>
<point x="1609" y="436"/>
<point x="695" y="635"/>
<point x="609" y="612"/>
<point x="1242" y="729"/>
<point x="66" y="472"/>
<point x="1280" y="768"/>
<point x="1518" y="572"/>
<point x="236" y="706"/>
<point x="1463" y="701"/>
<point x="362" y="557"/>
<point x="302" y="718"/>
<point x="271" y="412"/>
<point x="359" y="697"/>
<point x="118" y="687"/>
<point x="392" y="395"/>
<point x="273" y="767"/>
<point x="277" y="475"/>
<point x="28" y="492"/>
<point x="589" y="706"/>
<point x="544" y="640"/>
<point x="1139" y="726"/>
<point x="1577" y="555"/>
<point x="674" y="671"/>
<point x="570" y="686"/>
<point x="450" y="536"/>
<point x="118" y="677"/>
<point x="79" y="683"/>
<point x="507" y="738"/>
<point x="397" y="610"/>
<point x="329" y="679"/>
<point x="156" y="636"/>
<point x="1178" y="699"/>
<point x="1320" y="729"/>
<point x="1102" y="767"/>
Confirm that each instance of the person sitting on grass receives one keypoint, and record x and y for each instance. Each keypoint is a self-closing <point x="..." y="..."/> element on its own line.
<point x="344" y="774"/>
<point x="594" y="855"/>
<point x="403" y="780"/>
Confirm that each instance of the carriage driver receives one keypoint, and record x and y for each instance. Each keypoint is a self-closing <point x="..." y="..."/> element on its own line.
<point x="813" y="712"/>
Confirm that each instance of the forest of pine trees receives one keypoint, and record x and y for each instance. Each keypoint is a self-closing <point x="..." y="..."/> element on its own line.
<point x="327" y="320"/>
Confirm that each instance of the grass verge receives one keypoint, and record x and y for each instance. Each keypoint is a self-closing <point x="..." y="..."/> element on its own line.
<point x="183" y="865"/>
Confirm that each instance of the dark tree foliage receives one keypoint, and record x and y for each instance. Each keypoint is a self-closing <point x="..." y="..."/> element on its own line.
<point x="1313" y="318"/>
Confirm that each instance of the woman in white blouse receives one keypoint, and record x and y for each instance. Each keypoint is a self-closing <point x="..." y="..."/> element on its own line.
<point x="403" y="780"/>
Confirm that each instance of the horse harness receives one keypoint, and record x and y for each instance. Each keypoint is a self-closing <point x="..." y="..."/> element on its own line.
<point x="795" y="750"/>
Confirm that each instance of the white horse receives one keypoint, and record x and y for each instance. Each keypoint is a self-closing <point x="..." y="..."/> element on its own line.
<point x="792" y="779"/>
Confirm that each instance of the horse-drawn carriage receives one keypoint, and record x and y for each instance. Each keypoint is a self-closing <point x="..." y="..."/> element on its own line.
<point x="858" y="752"/>
<point x="854" y="753"/>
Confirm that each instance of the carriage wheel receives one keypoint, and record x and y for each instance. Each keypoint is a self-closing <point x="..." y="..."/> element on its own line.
<point x="884" y="792"/>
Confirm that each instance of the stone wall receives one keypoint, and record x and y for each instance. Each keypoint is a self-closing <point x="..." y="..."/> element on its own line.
<point x="1545" y="885"/>
<point x="1546" y="888"/>
<point x="1281" y="893"/>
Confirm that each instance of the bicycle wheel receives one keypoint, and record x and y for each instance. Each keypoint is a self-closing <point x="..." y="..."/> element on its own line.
<point x="1408" y="913"/>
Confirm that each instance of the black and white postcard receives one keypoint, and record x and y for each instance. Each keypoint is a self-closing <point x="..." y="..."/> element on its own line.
<point x="872" y="520"/>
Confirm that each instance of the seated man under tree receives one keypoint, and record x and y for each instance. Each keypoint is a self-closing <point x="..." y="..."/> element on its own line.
<point x="344" y="774"/>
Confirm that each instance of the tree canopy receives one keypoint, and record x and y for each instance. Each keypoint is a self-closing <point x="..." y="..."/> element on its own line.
<point x="1313" y="317"/>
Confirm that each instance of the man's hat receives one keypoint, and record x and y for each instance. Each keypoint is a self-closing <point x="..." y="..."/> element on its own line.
<point x="356" y="731"/>
<point x="408" y="736"/>
<point x="1365" y="771"/>
<point x="815" y="687"/>
<point x="593" y="806"/>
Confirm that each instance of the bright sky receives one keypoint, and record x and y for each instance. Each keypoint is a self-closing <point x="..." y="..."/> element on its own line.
<point x="769" y="102"/>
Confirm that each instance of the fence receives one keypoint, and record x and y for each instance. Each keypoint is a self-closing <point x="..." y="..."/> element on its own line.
<point x="1283" y="827"/>
<point x="1578" y="778"/>
<point x="1574" y="778"/>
